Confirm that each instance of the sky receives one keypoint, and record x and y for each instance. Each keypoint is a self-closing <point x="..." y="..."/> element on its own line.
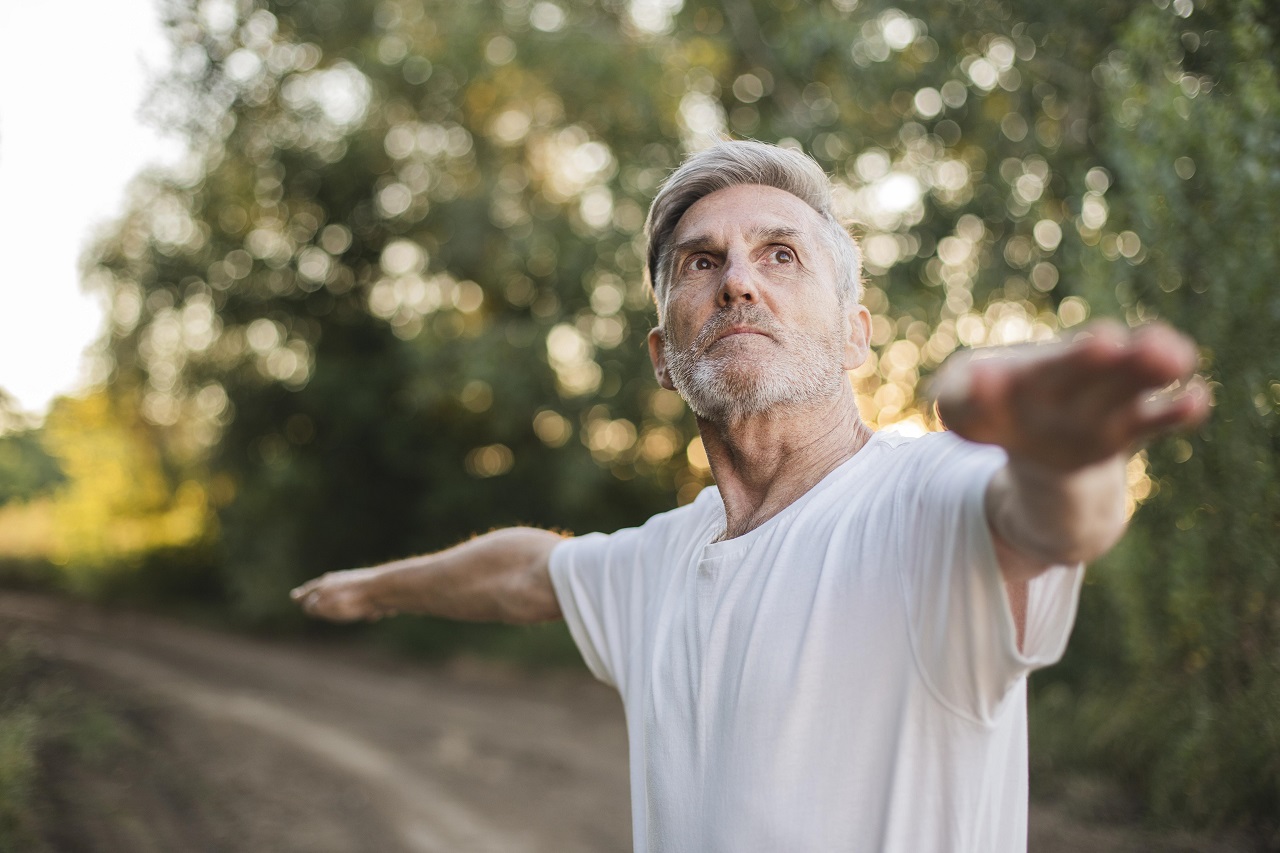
<point x="73" y="77"/>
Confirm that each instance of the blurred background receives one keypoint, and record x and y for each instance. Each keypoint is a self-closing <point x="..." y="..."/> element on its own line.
<point x="384" y="290"/>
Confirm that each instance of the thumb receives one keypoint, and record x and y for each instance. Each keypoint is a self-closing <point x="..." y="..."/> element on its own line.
<point x="968" y="397"/>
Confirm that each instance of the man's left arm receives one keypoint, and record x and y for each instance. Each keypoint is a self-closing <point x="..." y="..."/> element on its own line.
<point x="1068" y="415"/>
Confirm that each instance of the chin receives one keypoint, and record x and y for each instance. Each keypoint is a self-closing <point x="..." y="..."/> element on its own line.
<point x="723" y="395"/>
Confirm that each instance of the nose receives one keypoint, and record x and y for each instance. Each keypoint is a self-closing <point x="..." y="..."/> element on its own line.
<point x="737" y="284"/>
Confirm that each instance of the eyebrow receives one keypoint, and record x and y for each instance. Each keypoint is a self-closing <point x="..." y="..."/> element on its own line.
<point x="759" y="234"/>
<point x="775" y="233"/>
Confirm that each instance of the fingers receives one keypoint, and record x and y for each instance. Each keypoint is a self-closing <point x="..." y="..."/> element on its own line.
<point x="969" y="399"/>
<point x="1107" y="367"/>
<point x="1143" y="382"/>
<point x="310" y="598"/>
<point x="1100" y="364"/>
<point x="1165" y="348"/>
<point x="300" y="593"/>
<point x="1173" y="409"/>
<point x="1155" y="358"/>
<point x="338" y="597"/>
<point x="1077" y="402"/>
<point x="1160" y="360"/>
<point x="309" y="595"/>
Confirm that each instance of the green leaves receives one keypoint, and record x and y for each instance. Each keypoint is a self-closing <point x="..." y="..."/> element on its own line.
<point x="1194" y="156"/>
<point x="397" y="295"/>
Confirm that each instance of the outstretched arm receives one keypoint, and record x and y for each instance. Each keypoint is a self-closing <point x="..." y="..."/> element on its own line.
<point x="1069" y="415"/>
<point x="502" y="576"/>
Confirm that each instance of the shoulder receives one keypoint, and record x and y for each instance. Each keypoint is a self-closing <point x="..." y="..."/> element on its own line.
<point x="932" y="464"/>
<point x="936" y="448"/>
<point x="686" y="520"/>
<point x="674" y="526"/>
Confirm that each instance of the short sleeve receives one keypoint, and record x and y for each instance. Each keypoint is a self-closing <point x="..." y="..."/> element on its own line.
<point x="962" y="626"/>
<point x="596" y="579"/>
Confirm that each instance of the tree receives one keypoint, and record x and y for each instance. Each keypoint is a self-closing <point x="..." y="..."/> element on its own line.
<point x="1191" y="713"/>
<point x="26" y="470"/>
<point x="117" y="516"/>
<point x="397" y="295"/>
<point x="388" y="294"/>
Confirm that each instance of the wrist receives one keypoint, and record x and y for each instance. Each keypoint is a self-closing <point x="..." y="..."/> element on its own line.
<point x="376" y="588"/>
<point x="1033" y="472"/>
<point x="1060" y="517"/>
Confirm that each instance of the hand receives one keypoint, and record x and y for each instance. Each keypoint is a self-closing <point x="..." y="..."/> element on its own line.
<point x="1070" y="405"/>
<point x="341" y="597"/>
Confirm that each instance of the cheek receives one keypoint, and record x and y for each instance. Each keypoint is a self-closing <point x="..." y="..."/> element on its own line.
<point x="814" y="312"/>
<point x="680" y="321"/>
<point x="789" y="273"/>
<point x="797" y="300"/>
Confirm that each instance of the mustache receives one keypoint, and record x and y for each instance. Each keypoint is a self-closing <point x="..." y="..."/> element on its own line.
<point x="738" y="315"/>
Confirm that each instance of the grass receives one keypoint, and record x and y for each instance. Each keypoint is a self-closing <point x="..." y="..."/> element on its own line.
<point x="18" y="739"/>
<point x="19" y="743"/>
<point x="42" y="712"/>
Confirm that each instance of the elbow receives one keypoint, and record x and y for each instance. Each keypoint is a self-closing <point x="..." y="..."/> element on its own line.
<point x="531" y="602"/>
<point x="529" y="597"/>
<point x="539" y="609"/>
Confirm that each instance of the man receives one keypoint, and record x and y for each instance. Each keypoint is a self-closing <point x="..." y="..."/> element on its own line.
<point x="828" y="650"/>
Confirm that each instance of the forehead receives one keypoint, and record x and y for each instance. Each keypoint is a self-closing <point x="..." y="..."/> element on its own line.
<point x="744" y="209"/>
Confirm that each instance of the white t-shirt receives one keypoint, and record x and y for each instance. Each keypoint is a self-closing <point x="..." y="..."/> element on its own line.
<point x="845" y="677"/>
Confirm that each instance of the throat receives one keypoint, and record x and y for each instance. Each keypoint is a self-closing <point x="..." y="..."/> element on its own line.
<point x="756" y="487"/>
<point x="740" y="523"/>
<point x="745" y="526"/>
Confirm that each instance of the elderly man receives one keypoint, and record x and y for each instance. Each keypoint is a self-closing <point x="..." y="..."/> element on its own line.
<point x="829" y="649"/>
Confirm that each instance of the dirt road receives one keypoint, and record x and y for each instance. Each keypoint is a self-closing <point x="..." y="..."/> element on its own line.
<point x="293" y="747"/>
<point x="310" y="749"/>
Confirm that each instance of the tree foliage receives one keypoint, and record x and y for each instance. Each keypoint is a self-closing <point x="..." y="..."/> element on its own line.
<point x="1190" y="710"/>
<point x="26" y="470"/>
<point x="396" y="295"/>
<point x="116" y="511"/>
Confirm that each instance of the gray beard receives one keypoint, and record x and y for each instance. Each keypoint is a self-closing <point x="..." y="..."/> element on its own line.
<point x="722" y="390"/>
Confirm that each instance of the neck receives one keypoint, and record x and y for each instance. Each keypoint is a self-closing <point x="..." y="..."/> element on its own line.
<point x="764" y="463"/>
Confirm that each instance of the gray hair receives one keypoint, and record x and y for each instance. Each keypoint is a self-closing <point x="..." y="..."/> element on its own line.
<point x="735" y="162"/>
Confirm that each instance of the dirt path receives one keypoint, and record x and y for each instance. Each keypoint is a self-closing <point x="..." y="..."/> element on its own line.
<point x="294" y="747"/>
<point x="312" y="749"/>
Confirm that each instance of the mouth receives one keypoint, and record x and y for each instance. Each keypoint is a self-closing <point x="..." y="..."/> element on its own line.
<point x="745" y="326"/>
<point x="734" y="331"/>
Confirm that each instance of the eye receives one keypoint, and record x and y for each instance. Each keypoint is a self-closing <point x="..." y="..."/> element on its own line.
<point x="783" y="255"/>
<point x="699" y="263"/>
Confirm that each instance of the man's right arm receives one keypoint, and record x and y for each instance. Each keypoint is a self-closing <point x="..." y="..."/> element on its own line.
<point x="503" y="576"/>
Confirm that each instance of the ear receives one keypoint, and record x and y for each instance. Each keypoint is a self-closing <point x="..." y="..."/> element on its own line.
<point x="658" y="355"/>
<point x="857" y="345"/>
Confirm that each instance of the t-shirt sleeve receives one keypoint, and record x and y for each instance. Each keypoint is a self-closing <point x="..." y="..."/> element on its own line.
<point x="597" y="579"/>
<point x="962" y="626"/>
